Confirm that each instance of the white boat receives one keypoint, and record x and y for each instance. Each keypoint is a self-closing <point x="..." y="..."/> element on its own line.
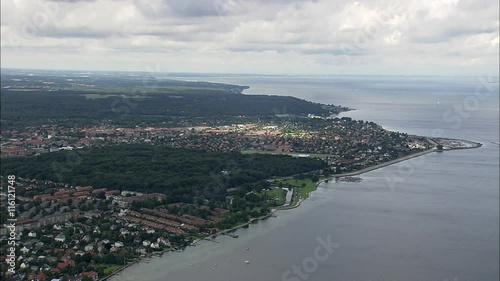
<point x="247" y="262"/>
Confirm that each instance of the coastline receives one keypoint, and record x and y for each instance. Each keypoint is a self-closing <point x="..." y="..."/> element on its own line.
<point x="384" y="164"/>
<point x="206" y="238"/>
<point x="434" y="141"/>
<point x="298" y="203"/>
<point x="362" y="171"/>
<point x="273" y="211"/>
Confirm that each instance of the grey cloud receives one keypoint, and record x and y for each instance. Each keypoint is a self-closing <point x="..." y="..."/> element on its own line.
<point x="336" y="51"/>
<point x="158" y="50"/>
<point x="74" y="32"/>
<point x="72" y="1"/>
<point x="468" y="31"/>
<point x="468" y="5"/>
<point x="103" y="34"/>
<point x="451" y="33"/>
<point x="194" y="8"/>
<point x="243" y="49"/>
<point x="207" y="8"/>
<point x="332" y="51"/>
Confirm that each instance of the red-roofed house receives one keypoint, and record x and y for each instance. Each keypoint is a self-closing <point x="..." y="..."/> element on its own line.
<point x="84" y="188"/>
<point x="92" y="274"/>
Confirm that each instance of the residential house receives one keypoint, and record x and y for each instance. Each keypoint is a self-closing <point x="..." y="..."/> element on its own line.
<point x="60" y="238"/>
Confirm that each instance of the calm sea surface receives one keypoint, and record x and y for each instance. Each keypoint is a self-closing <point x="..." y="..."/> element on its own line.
<point x="434" y="217"/>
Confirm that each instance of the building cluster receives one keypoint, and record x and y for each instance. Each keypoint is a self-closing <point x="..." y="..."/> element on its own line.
<point x="76" y="195"/>
<point x="42" y="139"/>
<point x="162" y="218"/>
<point x="54" y="248"/>
<point x="347" y="144"/>
<point x="73" y="242"/>
<point x="65" y="231"/>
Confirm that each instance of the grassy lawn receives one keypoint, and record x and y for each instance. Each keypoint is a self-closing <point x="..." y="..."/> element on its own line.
<point x="303" y="187"/>
<point x="108" y="268"/>
<point x="276" y="192"/>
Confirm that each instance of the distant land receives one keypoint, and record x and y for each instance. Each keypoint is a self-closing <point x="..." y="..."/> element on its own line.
<point x="73" y="98"/>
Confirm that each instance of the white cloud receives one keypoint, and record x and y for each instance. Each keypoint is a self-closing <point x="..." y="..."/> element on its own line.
<point x="289" y="36"/>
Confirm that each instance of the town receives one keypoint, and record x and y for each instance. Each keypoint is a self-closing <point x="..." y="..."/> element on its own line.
<point x="86" y="233"/>
<point x="82" y="233"/>
<point x="346" y="144"/>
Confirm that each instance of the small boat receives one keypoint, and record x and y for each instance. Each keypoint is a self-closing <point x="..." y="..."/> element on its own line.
<point x="247" y="262"/>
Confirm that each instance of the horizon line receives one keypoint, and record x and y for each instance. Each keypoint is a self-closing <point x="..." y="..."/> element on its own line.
<point x="244" y="74"/>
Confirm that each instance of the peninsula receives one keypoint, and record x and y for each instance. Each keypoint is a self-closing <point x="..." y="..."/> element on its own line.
<point x="112" y="174"/>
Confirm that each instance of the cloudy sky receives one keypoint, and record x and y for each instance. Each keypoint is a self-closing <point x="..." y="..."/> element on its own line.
<point x="438" y="37"/>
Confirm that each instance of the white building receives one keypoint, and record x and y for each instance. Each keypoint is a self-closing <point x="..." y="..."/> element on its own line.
<point x="60" y="238"/>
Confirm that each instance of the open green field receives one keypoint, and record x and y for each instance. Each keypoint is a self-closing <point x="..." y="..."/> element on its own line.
<point x="302" y="187"/>
<point x="276" y="192"/>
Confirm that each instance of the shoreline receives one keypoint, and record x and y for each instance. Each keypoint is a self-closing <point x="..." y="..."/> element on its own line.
<point x="434" y="141"/>
<point x="384" y="164"/>
<point x="296" y="205"/>
<point x="205" y="238"/>
<point x="273" y="211"/>
<point x="362" y="171"/>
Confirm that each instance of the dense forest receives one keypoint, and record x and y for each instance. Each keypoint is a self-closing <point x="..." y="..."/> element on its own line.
<point x="88" y="100"/>
<point x="184" y="175"/>
<point x="46" y="107"/>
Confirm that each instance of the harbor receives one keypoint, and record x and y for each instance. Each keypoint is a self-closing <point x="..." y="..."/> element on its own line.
<point x="451" y="144"/>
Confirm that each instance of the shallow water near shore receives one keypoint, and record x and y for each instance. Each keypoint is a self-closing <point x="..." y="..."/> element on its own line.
<point x="435" y="217"/>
